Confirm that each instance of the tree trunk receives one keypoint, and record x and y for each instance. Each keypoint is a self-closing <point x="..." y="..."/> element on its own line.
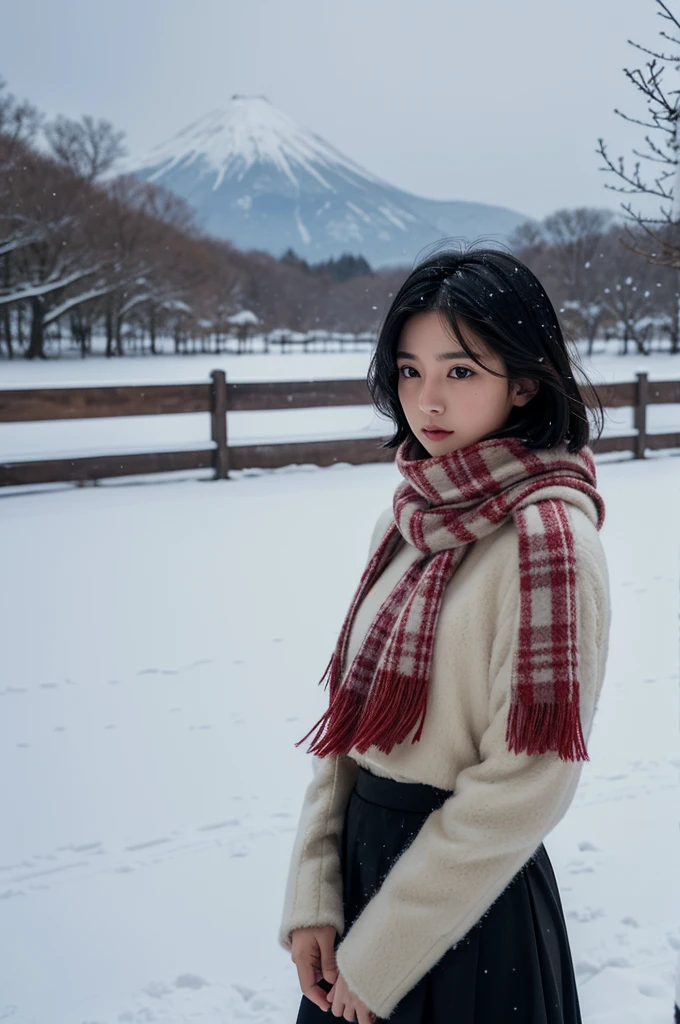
<point x="36" y="347"/>
<point x="152" y="328"/>
<point x="109" y="328"/>
<point x="624" y="346"/>
<point x="675" y="325"/>
<point x="640" y="344"/>
<point x="7" y="331"/>
<point x="20" y="324"/>
<point x="6" y="318"/>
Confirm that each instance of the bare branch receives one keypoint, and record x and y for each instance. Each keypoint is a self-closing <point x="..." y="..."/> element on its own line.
<point x="88" y="148"/>
<point x="668" y="15"/>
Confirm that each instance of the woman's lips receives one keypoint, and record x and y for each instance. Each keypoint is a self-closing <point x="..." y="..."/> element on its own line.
<point x="436" y="435"/>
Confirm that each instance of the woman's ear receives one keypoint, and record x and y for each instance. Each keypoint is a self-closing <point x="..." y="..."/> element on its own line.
<point x="525" y="389"/>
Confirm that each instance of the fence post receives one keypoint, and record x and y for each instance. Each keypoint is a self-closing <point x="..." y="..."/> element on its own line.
<point x="641" y="416"/>
<point x="219" y="424"/>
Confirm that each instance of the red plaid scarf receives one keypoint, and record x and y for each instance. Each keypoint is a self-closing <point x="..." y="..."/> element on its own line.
<point x="445" y="503"/>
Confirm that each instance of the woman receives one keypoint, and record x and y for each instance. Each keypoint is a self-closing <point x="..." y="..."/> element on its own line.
<point x="465" y="677"/>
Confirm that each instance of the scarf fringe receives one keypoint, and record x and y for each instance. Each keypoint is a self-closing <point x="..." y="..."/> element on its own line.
<point x="395" y="703"/>
<point x="336" y="727"/>
<point x="392" y="711"/>
<point x="538" y="728"/>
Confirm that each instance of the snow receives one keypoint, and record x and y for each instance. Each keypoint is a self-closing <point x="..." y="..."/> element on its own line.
<point x="301" y="226"/>
<point x="231" y="140"/>
<point x="244" y="316"/>
<point x="54" y="283"/>
<point x="162" y="646"/>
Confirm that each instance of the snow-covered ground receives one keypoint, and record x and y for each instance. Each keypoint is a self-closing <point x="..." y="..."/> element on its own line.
<point x="161" y="645"/>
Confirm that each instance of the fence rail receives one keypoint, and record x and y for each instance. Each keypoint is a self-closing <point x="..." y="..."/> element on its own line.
<point x="22" y="405"/>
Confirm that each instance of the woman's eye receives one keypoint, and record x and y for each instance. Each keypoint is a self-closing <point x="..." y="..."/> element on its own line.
<point x="465" y="369"/>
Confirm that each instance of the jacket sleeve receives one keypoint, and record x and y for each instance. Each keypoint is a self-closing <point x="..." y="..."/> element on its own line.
<point x="313" y="891"/>
<point x="468" y="851"/>
<point x="313" y="894"/>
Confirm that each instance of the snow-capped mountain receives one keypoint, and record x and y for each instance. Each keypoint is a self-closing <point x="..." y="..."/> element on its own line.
<point x="255" y="177"/>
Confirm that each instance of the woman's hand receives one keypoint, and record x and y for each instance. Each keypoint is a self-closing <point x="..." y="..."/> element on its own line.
<point x="313" y="953"/>
<point x="346" y="1004"/>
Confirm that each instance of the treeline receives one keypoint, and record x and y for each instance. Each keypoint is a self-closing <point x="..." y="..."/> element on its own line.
<point x="599" y="282"/>
<point x="84" y="253"/>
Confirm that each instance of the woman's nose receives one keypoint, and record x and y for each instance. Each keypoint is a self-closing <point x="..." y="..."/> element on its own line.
<point x="430" y="398"/>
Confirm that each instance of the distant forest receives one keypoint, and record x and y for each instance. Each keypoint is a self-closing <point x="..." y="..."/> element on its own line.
<point x="83" y="252"/>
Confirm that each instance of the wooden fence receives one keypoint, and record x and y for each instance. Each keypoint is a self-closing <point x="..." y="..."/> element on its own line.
<point x="21" y="405"/>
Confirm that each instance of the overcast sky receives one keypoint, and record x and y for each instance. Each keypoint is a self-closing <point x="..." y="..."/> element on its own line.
<point x="488" y="100"/>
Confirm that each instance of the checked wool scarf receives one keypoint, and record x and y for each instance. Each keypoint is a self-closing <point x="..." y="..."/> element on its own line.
<point x="444" y="504"/>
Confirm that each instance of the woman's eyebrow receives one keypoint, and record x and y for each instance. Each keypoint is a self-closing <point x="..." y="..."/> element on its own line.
<point x="442" y="355"/>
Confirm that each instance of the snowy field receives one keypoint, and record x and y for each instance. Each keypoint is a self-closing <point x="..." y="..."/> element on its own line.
<point x="174" y="433"/>
<point x="162" y="641"/>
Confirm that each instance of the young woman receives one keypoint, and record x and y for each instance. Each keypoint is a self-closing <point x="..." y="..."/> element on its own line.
<point x="465" y="677"/>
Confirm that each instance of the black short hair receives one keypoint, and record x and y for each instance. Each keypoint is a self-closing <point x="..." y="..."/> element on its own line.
<point x="503" y="302"/>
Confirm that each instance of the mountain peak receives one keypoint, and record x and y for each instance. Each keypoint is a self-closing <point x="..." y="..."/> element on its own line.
<point x="255" y="176"/>
<point x="250" y="131"/>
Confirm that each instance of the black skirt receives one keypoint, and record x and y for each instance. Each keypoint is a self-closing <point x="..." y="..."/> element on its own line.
<point x="514" y="965"/>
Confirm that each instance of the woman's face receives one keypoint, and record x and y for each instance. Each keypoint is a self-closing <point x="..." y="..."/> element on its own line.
<point x="440" y="386"/>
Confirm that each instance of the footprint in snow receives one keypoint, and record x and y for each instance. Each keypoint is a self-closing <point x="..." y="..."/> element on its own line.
<point x="650" y="988"/>
<point x="238" y="849"/>
<point x="586" y="914"/>
<point x="82" y="847"/>
<point x="147" y="844"/>
<point x="193" y="981"/>
<point x="218" y="824"/>
<point x="578" y="867"/>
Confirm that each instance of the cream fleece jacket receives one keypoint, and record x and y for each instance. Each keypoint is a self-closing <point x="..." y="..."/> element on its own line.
<point x="503" y="804"/>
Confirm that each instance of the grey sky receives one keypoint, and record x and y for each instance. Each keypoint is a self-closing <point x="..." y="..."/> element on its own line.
<point x="487" y="100"/>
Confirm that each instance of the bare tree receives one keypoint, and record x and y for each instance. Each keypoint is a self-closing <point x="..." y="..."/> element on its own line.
<point x="629" y="296"/>
<point x="576" y="236"/>
<point x="662" y="155"/>
<point x="19" y="124"/>
<point x="566" y="251"/>
<point x="87" y="147"/>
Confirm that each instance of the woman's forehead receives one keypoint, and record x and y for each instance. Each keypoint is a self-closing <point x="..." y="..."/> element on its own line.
<point x="431" y="330"/>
